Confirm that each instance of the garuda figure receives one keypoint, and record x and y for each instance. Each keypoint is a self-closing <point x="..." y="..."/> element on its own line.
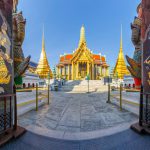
<point x="20" y="62"/>
<point x="135" y="62"/>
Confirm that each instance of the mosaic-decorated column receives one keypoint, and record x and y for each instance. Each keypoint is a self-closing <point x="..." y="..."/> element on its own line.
<point x="72" y="71"/>
<point x="146" y="46"/>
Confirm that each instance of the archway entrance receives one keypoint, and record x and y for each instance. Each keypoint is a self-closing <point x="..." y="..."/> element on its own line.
<point x="82" y="69"/>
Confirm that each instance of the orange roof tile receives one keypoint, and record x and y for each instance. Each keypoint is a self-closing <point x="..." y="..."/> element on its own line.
<point x="61" y="58"/>
<point x="66" y="57"/>
<point x="96" y="57"/>
<point x="103" y="59"/>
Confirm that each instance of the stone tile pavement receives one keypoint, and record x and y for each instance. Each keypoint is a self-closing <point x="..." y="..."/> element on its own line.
<point x="77" y="112"/>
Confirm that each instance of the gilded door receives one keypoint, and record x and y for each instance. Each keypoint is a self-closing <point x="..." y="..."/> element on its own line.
<point x="82" y="70"/>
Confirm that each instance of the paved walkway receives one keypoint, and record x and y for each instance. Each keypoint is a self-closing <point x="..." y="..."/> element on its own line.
<point x="72" y="112"/>
<point x="76" y="112"/>
<point x="127" y="140"/>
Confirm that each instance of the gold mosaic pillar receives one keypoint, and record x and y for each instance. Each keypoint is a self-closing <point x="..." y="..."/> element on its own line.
<point x="72" y="72"/>
<point x="92" y="71"/>
<point x="88" y="67"/>
<point x="77" y="70"/>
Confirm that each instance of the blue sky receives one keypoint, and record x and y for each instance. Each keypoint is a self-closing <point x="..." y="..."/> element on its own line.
<point x="63" y="19"/>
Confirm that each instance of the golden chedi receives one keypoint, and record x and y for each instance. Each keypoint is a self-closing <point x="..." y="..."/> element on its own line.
<point x="43" y="68"/>
<point x="120" y="68"/>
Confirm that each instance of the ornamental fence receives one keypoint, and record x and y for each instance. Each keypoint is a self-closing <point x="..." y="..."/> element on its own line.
<point x="144" y="113"/>
<point x="8" y="113"/>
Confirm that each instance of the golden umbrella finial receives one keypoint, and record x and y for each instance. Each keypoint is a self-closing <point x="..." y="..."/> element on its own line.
<point x="82" y="36"/>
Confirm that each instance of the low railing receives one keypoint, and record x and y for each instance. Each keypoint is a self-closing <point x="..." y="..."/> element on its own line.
<point x="143" y="106"/>
<point x="120" y="96"/>
<point x="40" y="96"/>
<point x="120" y="89"/>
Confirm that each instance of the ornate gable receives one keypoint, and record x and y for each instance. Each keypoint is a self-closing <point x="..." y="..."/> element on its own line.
<point x="82" y="54"/>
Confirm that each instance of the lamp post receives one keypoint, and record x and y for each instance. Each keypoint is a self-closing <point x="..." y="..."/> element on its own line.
<point x="54" y="72"/>
<point x="88" y="78"/>
<point x="48" y="77"/>
<point x="108" y="101"/>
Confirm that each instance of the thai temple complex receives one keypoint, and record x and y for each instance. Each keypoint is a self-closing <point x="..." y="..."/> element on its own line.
<point x="80" y="99"/>
<point x="120" y="69"/>
<point x="82" y="62"/>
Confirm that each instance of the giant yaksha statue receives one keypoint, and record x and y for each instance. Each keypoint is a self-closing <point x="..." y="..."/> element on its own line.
<point x="146" y="45"/>
<point x="6" y="57"/>
<point x="135" y="62"/>
<point x="20" y="62"/>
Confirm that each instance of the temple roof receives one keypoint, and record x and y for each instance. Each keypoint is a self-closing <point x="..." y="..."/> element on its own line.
<point x="33" y="64"/>
<point x="97" y="59"/>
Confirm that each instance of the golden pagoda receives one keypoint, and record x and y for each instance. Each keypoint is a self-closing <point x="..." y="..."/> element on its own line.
<point x="43" y="68"/>
<point x="121" y="69"/>
<point x="82" y="62"/>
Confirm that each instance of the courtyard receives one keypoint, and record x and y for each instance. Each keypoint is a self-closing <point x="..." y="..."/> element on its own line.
<point x="77" y="120"/>
<point x="76" y="114"/>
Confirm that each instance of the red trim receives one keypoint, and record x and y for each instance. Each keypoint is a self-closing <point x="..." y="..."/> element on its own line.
<point x="137" y="82"/>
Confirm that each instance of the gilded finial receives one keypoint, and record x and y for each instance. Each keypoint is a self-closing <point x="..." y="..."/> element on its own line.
<point x="43" y="40"/>
<point x="82" y="36"/>
<point x="121" y="43"/>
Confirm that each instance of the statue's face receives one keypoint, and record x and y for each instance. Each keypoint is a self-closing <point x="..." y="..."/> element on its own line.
<point x="140" y="12"/>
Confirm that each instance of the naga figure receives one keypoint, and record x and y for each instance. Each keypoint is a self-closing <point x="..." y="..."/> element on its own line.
<point x="135" y="62"/>
<point x="20" y="62"/>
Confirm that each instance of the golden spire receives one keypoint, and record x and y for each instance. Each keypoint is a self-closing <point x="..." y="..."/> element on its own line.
<point x="121" y="69"/>
<point x="43" y="41"/>
<point x="82" y="36"/>
<point x="43" y="68"/>
<point x="121" y="43"/>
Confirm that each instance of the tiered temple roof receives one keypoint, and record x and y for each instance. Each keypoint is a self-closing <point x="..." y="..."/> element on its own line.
<point x="98" y="59"/>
